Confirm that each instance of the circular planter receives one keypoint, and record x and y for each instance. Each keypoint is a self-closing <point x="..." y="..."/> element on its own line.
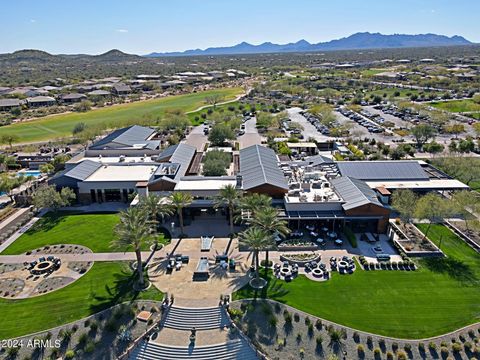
<point x="258" y="284"/>
<point x="300" y="262"/>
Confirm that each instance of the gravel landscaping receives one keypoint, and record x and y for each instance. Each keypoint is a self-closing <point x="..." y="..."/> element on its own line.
<point x="282" y="332"/>
<point x="105" y="335"/>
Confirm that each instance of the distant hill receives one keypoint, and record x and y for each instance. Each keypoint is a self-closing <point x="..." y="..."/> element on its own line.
<point x="35" y="56"/>
<point x="363" y="40"/>
<point x="116" y="55"/>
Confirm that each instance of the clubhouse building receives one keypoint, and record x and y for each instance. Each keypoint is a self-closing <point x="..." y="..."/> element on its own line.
<point x="130" y="163"/>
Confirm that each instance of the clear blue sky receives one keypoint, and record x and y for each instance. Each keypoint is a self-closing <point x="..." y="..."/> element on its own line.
<point x="143" y="26"/>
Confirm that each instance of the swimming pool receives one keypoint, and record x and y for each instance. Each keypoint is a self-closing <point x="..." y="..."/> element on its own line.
<point x="34" y="173"/>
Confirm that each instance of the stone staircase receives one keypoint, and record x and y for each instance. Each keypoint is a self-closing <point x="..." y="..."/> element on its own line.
<point x="232" y="350"/>
<point x="182" y="318"/>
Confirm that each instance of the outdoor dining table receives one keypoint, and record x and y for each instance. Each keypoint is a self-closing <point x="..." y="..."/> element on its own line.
<point x="324" y="229"/>
<point x="313" y="233"/>
<point x="333" y="234"/>
<point x="338" y="242"/>
<point x="310" y="227"/>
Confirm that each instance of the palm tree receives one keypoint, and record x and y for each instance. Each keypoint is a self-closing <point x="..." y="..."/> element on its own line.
<point x="253" y="203"/>
<point x="256" y="240"/>
<point x="179" y="200"/>
<point x="133" y="231"/>
<point x="228" y="196"/>
<point x="156" y="206"/>
<point x="267" y="220"/>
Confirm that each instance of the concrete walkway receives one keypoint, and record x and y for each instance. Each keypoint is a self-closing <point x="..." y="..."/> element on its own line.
<point x="23" y="229"/>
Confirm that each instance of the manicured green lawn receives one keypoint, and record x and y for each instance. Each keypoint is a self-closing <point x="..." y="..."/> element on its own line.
<point x="59" y="126"/>
<point x="440" y="297"/>
<point x="457" y="105"/>
<point x="94" y="231"/>
<point x="106" y="284"/>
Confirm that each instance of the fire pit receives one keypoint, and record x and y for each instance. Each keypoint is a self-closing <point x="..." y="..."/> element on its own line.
<point x="317" y="272"/>
<point x="285" y="271"/>
<point x="44" y="266"/>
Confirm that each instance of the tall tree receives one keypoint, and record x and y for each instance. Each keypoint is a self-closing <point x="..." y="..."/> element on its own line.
<point x="422" y="133"/>
<point x="405" y="202"/>
<point x="180" y="200"/>
<point x="267" y="220"/>
<point x="249" y="204"/>
<point x="466" y="203"/>
<point x="434" y="208"/>
<point x="214" y="99"/>
<point x="133" y="231"/>
<point x="256" y="240"/>
<point x="228" y="196"/>
<point x="156" y="206"/>
<point x="9" y="139"/>
<point x="48" y="197"/>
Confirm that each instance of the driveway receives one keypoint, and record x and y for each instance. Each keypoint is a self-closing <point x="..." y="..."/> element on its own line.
<point x="251" y="136"/>
<point x="197" y="138"/>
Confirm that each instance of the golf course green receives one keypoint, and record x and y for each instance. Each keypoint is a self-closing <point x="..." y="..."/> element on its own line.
<point x="60" y="126"/>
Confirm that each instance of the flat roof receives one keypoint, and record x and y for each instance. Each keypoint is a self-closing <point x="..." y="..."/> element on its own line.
<point x="302" y="144"/>
<point x="122" y="173"/>
<point x="113" y="159"/>
<point x="203" y="184"/>
<point x="433" y="184"/>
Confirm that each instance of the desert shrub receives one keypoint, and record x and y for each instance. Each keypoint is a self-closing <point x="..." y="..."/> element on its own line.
<point x="263" y="263"/>
<point x="310" y="328"/>
<point x="82" y="339"/>
<point x="90" y="347"/>
<point x="319" y="340"/>
<point x="360" y="349"/>
<point x="277" y="308"/>
<point x="69" y="354"/>
<point x="456" y="347"/>
<point x="288" y="317"/>
<point x="369" y="340"/>
<point x="272" y="321"/>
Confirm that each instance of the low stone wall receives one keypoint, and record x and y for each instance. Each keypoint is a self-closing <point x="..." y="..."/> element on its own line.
<point x="463" y="236"/>
<point x="301" y="263"/>
<point x="298" y="248"/>
<point x="413" y="253"/>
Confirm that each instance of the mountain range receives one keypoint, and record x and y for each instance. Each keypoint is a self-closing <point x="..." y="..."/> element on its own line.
<point x="358" y="41"/>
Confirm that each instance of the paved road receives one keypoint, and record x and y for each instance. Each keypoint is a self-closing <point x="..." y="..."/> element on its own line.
<point x="251" y="136"/>
<point x="197" y="138"/>
<point x="309" y="131"/>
